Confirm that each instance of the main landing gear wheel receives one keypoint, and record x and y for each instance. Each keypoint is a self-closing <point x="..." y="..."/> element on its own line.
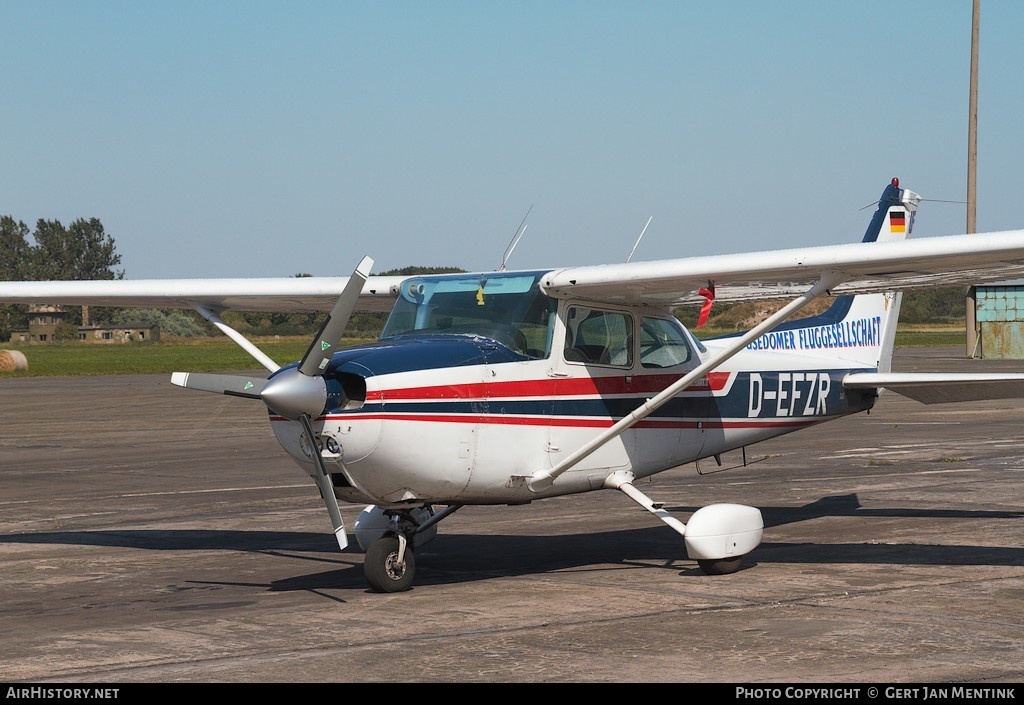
<point x="381" y="567"/>
<point x="720" y="566"/>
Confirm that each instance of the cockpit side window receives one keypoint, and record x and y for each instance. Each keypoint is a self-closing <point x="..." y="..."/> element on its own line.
<point x="599" y="337"/>
<point x="662" y="344"/>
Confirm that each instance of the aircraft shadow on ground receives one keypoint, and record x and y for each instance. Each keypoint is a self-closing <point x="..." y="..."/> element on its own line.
<point x="455" y="558"/>
<point x="848" y="505"/>
<point x="186" y="540"/>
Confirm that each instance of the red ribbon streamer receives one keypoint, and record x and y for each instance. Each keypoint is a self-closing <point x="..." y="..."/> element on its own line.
<point x="705" y="310"/>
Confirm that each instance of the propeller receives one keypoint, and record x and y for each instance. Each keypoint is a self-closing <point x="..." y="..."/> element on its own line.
<point x="301" y="391"/>
<point x="298" y="393"/>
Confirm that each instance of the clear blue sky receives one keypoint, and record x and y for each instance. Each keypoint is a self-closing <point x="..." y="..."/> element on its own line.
<point x="253" y="138"/>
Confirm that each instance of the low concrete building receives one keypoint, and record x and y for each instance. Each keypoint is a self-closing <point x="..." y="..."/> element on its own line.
<point x="45" y="319"/>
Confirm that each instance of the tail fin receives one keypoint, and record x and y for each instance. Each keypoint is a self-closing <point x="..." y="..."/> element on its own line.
<point x="861" y="328"/>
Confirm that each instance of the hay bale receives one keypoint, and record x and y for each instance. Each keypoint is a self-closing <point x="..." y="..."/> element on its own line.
<point x="11" y="360"/>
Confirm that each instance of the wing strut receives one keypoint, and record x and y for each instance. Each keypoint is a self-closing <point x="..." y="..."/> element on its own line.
<point x="260" y="356"/>
<point x="542" y="479"/>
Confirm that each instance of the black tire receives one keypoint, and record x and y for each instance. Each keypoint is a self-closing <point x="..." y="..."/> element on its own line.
<point x="720" y="566"/>
<point x="379" y="566"/>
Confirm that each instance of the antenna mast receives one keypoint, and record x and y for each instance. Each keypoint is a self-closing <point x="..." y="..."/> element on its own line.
<point x="639" y="238"/>
<point x="520" y="231"/>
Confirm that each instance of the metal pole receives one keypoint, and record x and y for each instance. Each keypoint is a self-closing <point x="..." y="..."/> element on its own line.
<point x="972" y="168"/>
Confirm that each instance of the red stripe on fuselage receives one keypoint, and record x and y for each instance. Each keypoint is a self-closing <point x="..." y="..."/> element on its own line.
<point x="575" y="386"/>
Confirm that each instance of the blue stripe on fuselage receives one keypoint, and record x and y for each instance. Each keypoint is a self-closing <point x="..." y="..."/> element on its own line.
<point x="753" y="395"/>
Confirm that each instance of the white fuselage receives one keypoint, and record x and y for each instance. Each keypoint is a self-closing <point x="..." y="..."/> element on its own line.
<point x="463" y="434"/>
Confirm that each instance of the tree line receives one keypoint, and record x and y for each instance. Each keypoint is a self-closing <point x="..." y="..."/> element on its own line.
<point x="80" y="250"/>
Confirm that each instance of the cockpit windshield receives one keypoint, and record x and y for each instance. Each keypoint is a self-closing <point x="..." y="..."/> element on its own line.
<point x="505" y="306"/>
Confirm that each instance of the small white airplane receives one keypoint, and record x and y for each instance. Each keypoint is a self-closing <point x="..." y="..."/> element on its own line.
<point x="506" y="387"/>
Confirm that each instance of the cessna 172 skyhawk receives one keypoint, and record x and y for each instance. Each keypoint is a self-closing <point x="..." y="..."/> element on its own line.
<point x="501" y="388"/>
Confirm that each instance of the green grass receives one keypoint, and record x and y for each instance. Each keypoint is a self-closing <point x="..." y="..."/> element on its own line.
<point x="205" y="355"/>
<point x="222" y="354"/>
<point x="923" y="337"/>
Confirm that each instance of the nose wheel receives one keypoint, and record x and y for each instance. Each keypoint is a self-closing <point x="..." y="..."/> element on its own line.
<point x="389" y="564"/>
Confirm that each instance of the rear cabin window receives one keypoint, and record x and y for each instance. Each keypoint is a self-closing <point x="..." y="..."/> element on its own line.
<point x="662" y="344"/>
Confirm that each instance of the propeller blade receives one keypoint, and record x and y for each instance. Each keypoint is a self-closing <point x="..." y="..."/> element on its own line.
<point x="232" y="385"/>
<point x="319" y="353"/>
<point x="323" y="481"/>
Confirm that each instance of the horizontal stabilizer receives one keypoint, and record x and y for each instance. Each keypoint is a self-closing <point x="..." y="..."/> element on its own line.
<point x="232" y="385"/>
<point x="941" y="387"/>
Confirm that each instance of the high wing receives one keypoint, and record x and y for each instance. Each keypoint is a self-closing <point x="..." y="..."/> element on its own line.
<point x="864" y="267"/>
<point x="861" y="268"/>
<point x="293" y="295"/>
